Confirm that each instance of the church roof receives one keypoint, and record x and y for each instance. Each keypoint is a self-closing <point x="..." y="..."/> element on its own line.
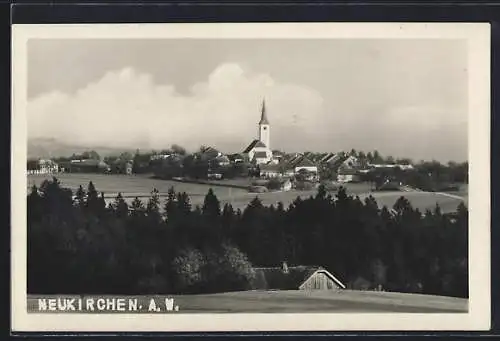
<point x="254" y="144"/>
<point x="263" y="116"/>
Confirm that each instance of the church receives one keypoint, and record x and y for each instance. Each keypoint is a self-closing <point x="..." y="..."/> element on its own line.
<point x="259" y="150"/>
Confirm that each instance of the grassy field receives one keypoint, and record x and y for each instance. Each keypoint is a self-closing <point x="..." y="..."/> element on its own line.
<point x="298" y="301"/>
<point x="141" y="186"/>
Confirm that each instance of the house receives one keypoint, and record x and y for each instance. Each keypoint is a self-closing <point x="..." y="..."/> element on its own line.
<point x="236" y="158"/>
<point x="269" y="170"/>
<point x="304" y="163"/>
<point x="348" y="175"/>
<point x="295" y="278"/>
<point x="330" y="159"/>
<point x="88" y="166"/>
<point x="259" y="150"/>
<point x="285" y="184"/>
<point x="222" y="160"/>
<point x="209" y="153"/>
<point x="42" y="166"/>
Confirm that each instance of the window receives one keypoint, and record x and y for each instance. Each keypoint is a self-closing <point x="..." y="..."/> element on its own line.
<point x="265" y="128"/>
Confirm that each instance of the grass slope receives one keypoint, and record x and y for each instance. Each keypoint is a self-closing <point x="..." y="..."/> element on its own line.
<point x="296" y="301"/>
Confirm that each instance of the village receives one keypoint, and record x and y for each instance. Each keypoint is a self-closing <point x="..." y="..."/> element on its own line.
<point x="258" y="168"/>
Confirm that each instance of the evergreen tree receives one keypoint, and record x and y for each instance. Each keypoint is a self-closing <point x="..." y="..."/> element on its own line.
<point x="120" y="207"/>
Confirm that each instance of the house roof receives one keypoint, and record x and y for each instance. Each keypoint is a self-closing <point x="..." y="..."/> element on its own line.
<point x="260" y="155"/>
<point x="89" y="163"/>
<point x="254" y="144"/>
<point x="304" y="162"/>
<point x="276" y="278"/>
<point x="329" y="157"/>
<point x="269" y="167"/>
<point x="347" y="171"/>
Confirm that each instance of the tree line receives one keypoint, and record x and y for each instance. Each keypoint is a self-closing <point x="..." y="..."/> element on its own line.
<point x="78" y="244"/>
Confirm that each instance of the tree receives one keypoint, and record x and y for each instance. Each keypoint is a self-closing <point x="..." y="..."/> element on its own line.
<point x="178" y="149"/>
<point x="80" y="197"/>
<point x="211" y="205"/>
<point x="137" y="207"/>
<point x="187" y="268"/>
<point x="153" y="206"/>
<point x="120" y="207"/>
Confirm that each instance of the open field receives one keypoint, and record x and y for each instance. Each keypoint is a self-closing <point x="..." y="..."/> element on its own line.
<point x="298" y="301"/>
<point x="141" y="186"/>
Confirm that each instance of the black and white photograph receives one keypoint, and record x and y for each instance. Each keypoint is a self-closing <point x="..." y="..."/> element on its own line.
<point x="243" y="177"/>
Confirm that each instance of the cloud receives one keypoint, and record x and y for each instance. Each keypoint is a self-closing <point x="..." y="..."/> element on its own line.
<point x="126" y="108"/>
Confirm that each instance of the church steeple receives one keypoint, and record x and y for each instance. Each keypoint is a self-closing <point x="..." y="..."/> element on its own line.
<point x="263" y="115"/>
<point x="264" y="127"/>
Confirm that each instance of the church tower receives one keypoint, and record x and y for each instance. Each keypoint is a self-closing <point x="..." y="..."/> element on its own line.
<point x="264" y="128"/>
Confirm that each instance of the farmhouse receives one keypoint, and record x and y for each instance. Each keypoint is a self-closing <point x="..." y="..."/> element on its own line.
<point x="295" y="278"/>
<point x="259" y="150"/>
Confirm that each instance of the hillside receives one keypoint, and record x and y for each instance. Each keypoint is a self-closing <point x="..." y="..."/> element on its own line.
<point x="49" y="147"/>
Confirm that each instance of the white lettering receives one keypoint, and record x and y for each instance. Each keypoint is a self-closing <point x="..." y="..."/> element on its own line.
<point x="132" y="304"/>
<point x="101" y="304"/>
<point x="169" y="304"/>
<point x="110" y="304"/>
<point x="152" y="305"/>
<point x="121" y="304"/>
<point x="52" y="304"/>
<point x="70" y="304"/>
<point x="89" y="304"/>
<point x="42" y="304"/>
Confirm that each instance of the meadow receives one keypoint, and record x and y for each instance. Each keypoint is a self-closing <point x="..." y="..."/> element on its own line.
<point x="298" y="301"/>
<point x="141" y="186"/>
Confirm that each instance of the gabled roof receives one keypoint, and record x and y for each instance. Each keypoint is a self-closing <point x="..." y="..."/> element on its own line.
<point x="210" y="151"/>
<point x="294" y="159"/>
<point x="304" y="162"/>
<point x="275" y="278"/>
<point x="329" y="157"/>
<point x="270" y="167"/>
<point x="347" y="171"/>
<point x="254" y="144"/>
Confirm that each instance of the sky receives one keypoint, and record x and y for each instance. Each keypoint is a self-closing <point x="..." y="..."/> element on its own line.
<point x="405" y="98"/>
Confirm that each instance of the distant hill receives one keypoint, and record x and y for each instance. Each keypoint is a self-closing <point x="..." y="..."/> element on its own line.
<point x="50" y="147"/>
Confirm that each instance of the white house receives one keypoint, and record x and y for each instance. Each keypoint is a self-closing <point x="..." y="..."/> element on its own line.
<point x="269" y="171"/>
<point x="286" y="185"/>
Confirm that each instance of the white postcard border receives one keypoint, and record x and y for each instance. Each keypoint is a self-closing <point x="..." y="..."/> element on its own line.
<point x="478" y="317"/>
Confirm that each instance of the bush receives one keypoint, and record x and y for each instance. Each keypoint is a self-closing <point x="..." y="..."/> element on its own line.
<point x="187" y="270"/>
<point x="228" y="269"/>
<point x="304" y="185"/>
<point x="257" y="189"/>
<point x="274" y="184"/>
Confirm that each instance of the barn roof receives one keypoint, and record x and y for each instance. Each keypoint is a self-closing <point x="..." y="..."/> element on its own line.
<point x="254" y="144"/>
<point x="275" y="278"/>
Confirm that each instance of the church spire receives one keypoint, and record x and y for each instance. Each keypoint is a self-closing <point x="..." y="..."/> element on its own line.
<point x="263" y="116"/>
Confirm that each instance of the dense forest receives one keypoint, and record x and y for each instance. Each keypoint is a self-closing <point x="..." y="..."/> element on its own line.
<point x="81" y="245"/>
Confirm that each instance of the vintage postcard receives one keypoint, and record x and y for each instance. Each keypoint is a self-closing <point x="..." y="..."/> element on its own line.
<point x="251" y="177"/>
